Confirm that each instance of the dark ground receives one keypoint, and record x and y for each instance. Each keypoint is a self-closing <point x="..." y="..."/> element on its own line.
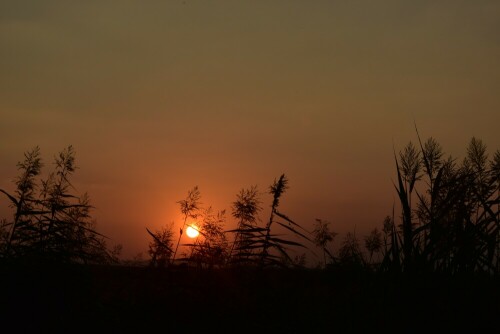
<point x="115" y="299"/>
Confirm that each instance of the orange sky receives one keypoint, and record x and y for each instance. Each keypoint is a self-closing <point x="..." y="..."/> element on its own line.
<point x="159" y="97"/>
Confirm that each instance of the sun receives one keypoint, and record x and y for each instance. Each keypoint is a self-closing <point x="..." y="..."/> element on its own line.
<point x="192" y="231"/>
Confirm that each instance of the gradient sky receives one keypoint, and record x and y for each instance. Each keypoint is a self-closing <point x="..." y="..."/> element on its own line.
<point x="159" y="96"/>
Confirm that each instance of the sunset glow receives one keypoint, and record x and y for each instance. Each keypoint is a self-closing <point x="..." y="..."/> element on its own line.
<point x="159" y="98"/>
<point x="192" y="231"/>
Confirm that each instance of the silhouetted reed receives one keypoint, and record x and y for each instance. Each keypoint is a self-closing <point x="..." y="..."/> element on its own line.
<point x="160" y="248"/>
<point x="50" y="223"/>
<point x="322" y="237"/>
<point x="189" y="208"/>
<point x="455" y="225"/>
<point x="260" y="246"/>
<point x="212" y="249"/>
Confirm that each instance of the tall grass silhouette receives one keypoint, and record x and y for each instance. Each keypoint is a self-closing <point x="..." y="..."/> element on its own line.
<point x="443" y="236"/>
<point x="50" y="223"/>
<point x="189" y="208"/>
<point x="454" y="225"/>
<point x="260" y="246"/>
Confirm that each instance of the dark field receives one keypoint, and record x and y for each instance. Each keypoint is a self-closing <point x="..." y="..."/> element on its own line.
<point x="184" y="300"/>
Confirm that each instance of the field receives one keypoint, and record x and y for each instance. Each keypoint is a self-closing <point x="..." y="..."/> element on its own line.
<point x="184" y="300"/>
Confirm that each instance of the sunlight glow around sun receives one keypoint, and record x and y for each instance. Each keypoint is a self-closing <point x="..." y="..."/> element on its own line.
<point x="192" y="231"/>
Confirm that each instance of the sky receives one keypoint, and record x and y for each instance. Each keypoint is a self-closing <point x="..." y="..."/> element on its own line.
<point x="157" y="97"/>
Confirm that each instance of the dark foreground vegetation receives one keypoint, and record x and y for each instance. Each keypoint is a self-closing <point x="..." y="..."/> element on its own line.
<point x="433" y="265"/>
<point x="186" y="300"/>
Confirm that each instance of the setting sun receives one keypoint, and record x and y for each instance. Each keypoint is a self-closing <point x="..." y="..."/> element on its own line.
<point x="192" y="231"/>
